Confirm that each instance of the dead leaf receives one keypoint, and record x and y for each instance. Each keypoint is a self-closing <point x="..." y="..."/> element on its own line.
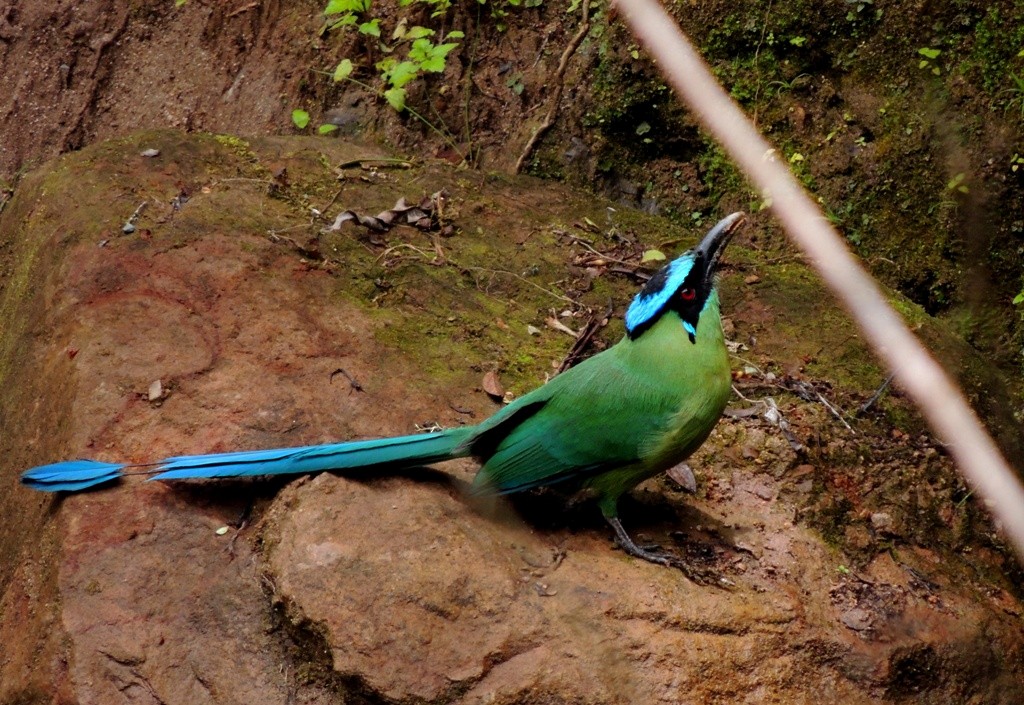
<point x="426" y="215"/>
<point x="683" y="475"/>
<point x="492" y="385"/>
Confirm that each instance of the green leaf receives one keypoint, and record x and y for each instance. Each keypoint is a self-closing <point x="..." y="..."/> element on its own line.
<point x="418" y="32"/>
<point x="422" y="51"/>
<point x="957" y="183"/>
<point x="386" y="64"/>
<point x="653" y="256"/>
<point x="456" y="34"/>
<point x="343" y="71"/>
<point x="179" y="3"/>
<point x="798" y="41"/>
<point x="336" y="7"/>
<point x="327" y="128"/>
<point x="643" y="128"/>
<point x="428" y="56"/>
<point x="396" y="98"/>
<point x="1019" y="298"/>
<point x="372" y="27"/>
<point x="929" y="53"/>
<point x="345" y="21"/>
<point x="300" y="118"/>
<point x="403" y="73"/>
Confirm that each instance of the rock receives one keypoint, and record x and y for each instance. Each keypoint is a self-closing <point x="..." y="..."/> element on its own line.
<point x="856" y="619"/>
<point x="377" y="589"/>
<point x="882" y="521"/>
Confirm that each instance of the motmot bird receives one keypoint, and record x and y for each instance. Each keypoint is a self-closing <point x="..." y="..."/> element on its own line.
<point x="602" y="427"/>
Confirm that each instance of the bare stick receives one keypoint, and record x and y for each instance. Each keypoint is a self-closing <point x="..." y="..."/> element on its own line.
<point x="876" y="396"/>
<point x="939" y="400"/>
<point x="559" y="79"/>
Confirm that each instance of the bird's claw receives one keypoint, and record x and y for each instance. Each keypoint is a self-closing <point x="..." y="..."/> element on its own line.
<point x="701" y="575"/>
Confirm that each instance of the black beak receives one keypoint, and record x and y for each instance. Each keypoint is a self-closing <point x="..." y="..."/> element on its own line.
<point x="713" y="244"/>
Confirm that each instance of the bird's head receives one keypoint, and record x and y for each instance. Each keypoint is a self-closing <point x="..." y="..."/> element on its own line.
<point x="684" y="284"/>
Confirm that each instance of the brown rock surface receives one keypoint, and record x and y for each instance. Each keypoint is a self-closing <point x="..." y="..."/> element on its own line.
<point x="393" y="589"/>
<point x="74" y="73"/>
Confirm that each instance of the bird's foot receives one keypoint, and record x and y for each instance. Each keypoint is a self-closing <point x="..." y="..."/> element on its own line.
<point x="699" y="574"/>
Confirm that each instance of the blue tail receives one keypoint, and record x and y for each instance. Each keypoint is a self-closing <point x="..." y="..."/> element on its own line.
<point x="400" y="452"/>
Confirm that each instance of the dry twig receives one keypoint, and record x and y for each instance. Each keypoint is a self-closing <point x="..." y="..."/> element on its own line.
<point x="559" y="80"/>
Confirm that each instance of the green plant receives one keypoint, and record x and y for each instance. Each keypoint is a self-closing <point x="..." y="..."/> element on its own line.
<point x="345" y="13"/>
<point x="857" y="8"/>
<point x="930" y="55"/>
<point x="423" y="56"/>
<point x="499" y="9"/>
<point x="515" y="83"/>
<point x="782" y="86"/>
<point x="1016" y="94"/>
<point x="399" y="56"/>
<point x="957" y="183"/>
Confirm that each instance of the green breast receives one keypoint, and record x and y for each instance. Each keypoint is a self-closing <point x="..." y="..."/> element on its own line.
<point x="615" y="419"/>
<point x="694" y="377"/>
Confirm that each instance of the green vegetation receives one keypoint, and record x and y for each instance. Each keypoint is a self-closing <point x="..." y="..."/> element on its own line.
<point x="903" y="125"/>
<point x="422" y="55"/>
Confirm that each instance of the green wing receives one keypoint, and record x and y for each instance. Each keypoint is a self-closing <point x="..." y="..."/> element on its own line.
<point x="592" y="418"/>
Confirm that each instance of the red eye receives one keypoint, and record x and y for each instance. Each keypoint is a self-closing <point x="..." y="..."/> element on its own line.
<point x="687" y="294"/>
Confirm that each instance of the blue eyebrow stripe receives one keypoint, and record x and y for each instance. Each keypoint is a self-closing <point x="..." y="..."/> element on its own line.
<point x="656" y="294"/>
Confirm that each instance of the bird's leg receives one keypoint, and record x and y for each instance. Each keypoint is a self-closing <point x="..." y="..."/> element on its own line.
<point x="629" y="546"/>
<point x="697" y="575"/>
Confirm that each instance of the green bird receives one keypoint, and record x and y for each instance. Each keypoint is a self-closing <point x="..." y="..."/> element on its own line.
<point x="602" y="427"/>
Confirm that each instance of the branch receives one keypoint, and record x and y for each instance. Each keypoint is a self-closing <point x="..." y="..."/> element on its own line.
<point x="556" y="99"/>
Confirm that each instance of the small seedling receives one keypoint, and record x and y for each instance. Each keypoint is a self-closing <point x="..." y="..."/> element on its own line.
<point x="930" y="55"/>
<point x="957" y="183"/>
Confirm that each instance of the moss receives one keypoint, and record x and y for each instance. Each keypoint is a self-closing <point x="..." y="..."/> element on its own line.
<point x="237" y="146"/>
<point x="18" y="287"/>
<point x="913" y="315"/>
